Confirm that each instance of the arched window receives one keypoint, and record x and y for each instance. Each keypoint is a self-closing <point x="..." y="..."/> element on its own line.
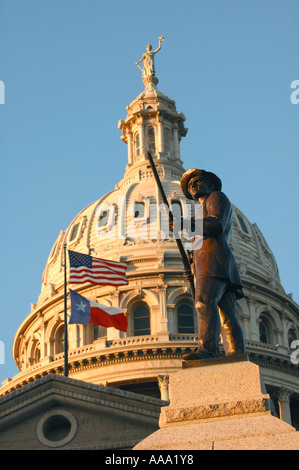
<point x="103" y="218"/>
<point x="37" y="353"/>
<point x="242" y="224"/>
<point x="139" y="209"/>
<point x="141" y="320"/>
<point x="74" y="232"/>
<point x="265" y="332"/>
<point x="98" y="332"/>
<point x="151" y="140"/>
<point x="185" y="318"/>
<point x="59" y="340"/>
<point x="137" y="144"/>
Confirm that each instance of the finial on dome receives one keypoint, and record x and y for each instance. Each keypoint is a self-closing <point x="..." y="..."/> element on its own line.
<point x="148" y="70"/>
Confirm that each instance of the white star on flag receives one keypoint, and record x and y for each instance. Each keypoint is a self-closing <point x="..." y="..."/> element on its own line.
<point x="85" y="311"/>
<point x="81" y="306"/>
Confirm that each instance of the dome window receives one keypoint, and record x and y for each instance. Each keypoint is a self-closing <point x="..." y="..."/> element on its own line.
<point x="98" y="332"/>
<point x="137" y="144"/>
<point x="37" y="353"/>
<point x="151" y="140"/>
<point x="74" y="232"/>
<point x="243" y="225"/>
<point x="103" y="219"/>
<point x="59" y="340"/>
<point x="139" y="209"/>
<point x="141" y="318"/>
<point x="106" y="217"/>
<point x="265" y="331"/>
<point x="185" y="319"/>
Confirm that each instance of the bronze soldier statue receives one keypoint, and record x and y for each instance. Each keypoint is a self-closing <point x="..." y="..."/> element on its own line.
<point x="217" y="280"/>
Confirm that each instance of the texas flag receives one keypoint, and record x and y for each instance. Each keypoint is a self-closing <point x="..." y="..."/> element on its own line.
<point x="84" y="311"/>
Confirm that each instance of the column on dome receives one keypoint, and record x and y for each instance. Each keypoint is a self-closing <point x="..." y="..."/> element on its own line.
<point x="130" y="147"/>
<point x="284" y="405"/>
<point x="163" y="332"/>
<point x="73" y="335"/>
<point x="43" y="348"/>
<point x="253" y="328"/>
<point x="141" y="135"/>
<point x="163" y="382"/>
<point x="167" y="144"/>
<point x="82" y="336"/>
<point x="176" y="146"/>
<point x="113" y="333"/>
<point x="159" y="140"/>
<point x="136" y="142"/>
<point x="284" y="322"/>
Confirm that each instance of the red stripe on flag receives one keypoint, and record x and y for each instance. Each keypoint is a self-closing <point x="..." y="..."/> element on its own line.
<point x="108" y="263"/>
<point x="104" y="272"/>
<point x="85" y="275"/>
<point x="102" y="318"/>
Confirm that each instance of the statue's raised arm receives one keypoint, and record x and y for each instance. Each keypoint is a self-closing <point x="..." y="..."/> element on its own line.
<point x="161" y="38"/>
<point x="148" y="60"/>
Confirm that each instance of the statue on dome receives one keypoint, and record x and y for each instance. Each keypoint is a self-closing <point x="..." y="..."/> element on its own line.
<point x="217" y="280"/>
<point x="147" y="58"/>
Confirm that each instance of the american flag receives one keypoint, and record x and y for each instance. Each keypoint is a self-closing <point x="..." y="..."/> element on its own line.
<point x="85" y="268"/>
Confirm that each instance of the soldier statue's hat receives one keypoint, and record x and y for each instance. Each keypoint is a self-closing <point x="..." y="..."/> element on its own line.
<point x="205" y="174"/>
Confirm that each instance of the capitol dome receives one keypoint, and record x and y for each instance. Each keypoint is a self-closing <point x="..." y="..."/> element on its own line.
<point x="130" y="224"/>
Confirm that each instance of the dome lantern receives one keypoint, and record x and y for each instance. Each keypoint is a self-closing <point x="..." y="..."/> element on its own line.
<point x="152" y="124"/>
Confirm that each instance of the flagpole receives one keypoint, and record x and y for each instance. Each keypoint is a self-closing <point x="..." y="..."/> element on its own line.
<point x="65" y="318"/>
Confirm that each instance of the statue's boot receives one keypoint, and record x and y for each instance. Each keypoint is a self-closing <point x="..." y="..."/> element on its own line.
<point x="202" y="353"/>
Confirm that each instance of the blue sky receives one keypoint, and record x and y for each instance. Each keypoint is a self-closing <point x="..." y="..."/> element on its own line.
<point x="69" y="72"/>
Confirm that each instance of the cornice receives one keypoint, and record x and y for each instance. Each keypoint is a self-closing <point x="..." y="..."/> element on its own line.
<point x="283" y="298"/>
<point x="270" y="362"/>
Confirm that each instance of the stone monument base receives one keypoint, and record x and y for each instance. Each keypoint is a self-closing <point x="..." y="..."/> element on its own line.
<point x="219" y="404"/>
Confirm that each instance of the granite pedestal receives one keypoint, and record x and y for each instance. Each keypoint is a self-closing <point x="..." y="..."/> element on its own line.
<point x="219" y="404"/>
